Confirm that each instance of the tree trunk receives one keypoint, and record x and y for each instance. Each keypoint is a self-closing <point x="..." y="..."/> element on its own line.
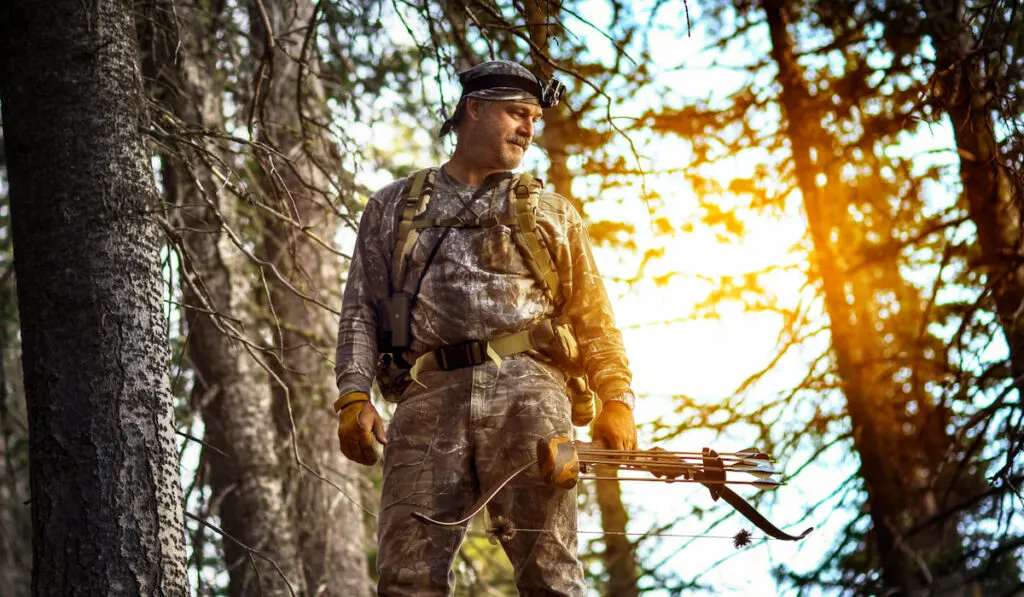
<point x="15" y="515"/>
<point x="993" y="200"/>
<point x="619" y="557"/>
<point x="231" y="388"/>
<point x="106" y="501"/>
<point x="297" y="185"/>
<point x="559" y="123"/>
<point x="876" y="408"/>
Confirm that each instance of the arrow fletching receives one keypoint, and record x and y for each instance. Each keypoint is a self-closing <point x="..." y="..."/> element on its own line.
<point x="767" y="484"/>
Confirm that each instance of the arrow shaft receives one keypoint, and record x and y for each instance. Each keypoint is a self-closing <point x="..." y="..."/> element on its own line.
<point x="658" y="480"/>
<point x="644" y="464"/>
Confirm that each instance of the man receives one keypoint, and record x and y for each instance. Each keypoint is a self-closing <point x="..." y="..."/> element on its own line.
<point x="452" y="258"/>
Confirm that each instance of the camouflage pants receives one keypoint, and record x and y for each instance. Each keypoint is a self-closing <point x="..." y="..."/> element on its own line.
<point x="462" y="433"/>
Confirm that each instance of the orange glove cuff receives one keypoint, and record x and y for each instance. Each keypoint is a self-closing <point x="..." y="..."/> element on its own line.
<point x="350" y="399"/>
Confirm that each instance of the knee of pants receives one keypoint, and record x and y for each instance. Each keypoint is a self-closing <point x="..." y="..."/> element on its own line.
<point x="414" y="558"/>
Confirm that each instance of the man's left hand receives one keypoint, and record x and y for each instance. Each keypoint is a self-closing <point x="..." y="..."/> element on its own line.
<point x="615" y="426"/>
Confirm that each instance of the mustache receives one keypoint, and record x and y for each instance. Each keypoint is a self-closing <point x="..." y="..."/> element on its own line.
<point x="517" y="140"/>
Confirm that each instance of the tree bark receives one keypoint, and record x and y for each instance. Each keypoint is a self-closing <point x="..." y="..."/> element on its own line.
<point x="297" y="185"/>
<point x="106" y="501"/>
<point x="231" y="389"/>
<point x="560" y="126"/>
<point x="15" y="515"/>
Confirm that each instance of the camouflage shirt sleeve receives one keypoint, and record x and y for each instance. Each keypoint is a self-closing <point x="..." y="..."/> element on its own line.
<point x="586" y="303"/>
<point x="356" y="355"/>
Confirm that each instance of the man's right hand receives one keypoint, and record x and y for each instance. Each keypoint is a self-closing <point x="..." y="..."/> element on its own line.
<point x="357" y="418"/>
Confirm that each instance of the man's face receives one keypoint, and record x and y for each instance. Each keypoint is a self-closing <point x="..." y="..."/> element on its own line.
<point x="502" y="132"/>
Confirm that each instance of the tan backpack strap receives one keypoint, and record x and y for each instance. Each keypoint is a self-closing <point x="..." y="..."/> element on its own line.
<point x="525" y="196"/>
<point x="415" y="204"/>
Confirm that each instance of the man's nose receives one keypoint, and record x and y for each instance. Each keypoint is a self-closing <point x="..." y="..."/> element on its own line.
<point x="526" y="129"/>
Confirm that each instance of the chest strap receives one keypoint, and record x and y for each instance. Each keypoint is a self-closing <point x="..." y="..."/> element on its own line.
<point x="457" y="222"/>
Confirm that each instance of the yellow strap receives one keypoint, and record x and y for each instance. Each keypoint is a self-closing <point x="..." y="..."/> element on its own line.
<point x="525" y="194"/>
<point x="426" y="362"/>
<point x="512" y="343"/>
<point x="415" y="204"/>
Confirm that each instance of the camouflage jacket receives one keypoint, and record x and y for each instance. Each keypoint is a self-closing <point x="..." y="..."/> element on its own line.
<point x="478" y="285"/>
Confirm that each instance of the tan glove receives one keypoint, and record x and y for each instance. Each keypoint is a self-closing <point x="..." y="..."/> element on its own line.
<point x="615" y="427"/>
<point x="356" y="419"/>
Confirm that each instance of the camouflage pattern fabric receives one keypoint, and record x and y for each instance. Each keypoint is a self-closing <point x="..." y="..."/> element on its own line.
<point x="467" y="431"/>
<point x="478" y="286"/>
<point x="468" y="427"/>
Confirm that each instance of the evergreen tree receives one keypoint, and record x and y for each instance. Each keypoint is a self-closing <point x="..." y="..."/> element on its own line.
<point x="106" y="501"/>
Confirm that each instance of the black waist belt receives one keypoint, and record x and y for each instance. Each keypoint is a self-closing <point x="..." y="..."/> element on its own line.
<point x="464" y="354"/>
<point x="471" y="353"/>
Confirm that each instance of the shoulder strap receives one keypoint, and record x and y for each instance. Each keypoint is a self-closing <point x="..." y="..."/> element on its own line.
<point x="524" y="196"/>
<point x="416" y="201"/>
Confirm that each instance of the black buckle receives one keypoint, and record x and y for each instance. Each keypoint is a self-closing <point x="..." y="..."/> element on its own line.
<point x="464" y="354"/>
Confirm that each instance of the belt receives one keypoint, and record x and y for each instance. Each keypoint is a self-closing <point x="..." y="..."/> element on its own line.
<point x="471" y="353"/>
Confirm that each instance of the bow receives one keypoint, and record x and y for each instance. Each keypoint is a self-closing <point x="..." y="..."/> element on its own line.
<point x="563" y="462"/>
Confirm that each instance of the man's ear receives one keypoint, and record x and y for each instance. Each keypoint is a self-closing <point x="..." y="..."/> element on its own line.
<point x="474" y="107"/>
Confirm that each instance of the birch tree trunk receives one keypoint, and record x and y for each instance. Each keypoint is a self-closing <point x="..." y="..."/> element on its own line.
<point x="300" y="219"/>
<point x="106" y="501"/>
<point x="231" y="389"/>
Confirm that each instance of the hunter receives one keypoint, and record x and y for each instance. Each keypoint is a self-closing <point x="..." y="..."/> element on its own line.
<point x="474" y="301"/>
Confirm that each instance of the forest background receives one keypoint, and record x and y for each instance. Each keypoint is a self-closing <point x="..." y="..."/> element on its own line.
<point x="808" y="215"/>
